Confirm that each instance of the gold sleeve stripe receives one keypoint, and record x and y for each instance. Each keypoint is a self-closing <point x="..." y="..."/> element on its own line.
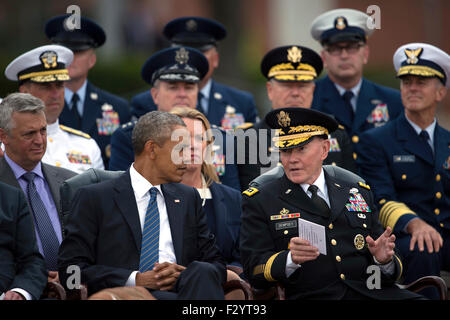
<point x="392" y="211"/>
<point x="258" y="269"/>
<point x="268" y="267"/>
<point x="401" y="267"/>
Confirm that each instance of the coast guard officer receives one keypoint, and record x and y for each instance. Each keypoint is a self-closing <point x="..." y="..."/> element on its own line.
<point x="357" y="103"/>
<point x="224" y="106"/>
<point x="87" y="108"/>
<point x="274" y="250"/>
<point x="407" y="163"/>
<point x="42" y="72"/>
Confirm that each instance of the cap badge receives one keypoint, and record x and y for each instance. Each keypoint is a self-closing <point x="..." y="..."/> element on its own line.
<point x="340" y="23"/>
<point x="413" y="55"/>
<point x="283" y="119"/>
<point x="191" y="25"/>
<point x="294" y="54"/>
<point x="49" y="59"/>
<point x="182" y="56"/>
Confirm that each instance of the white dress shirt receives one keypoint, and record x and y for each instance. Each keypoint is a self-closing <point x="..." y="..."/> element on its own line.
<point x="141" y="188"/>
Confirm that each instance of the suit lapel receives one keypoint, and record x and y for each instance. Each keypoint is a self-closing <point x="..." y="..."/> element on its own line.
<point x="441" y="147"/>
<point x="220" y="210"/>
<point x="176" y="210"/>
<point x="333" y="102"/>
<point x="125" y="201"/>
<point x="90" y="110"/>
<point x="216" y="106"/>
<point x="363" y="105"/>
<point x="411" y="141"/>
<point x="54" y="181"/>
<point x="7" y="175"/>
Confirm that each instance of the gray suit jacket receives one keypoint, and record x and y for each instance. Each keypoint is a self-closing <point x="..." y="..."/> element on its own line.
<point x="55" y="177"/>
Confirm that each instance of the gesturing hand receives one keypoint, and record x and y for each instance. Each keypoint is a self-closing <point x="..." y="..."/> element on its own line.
<point x="382" y="248"/>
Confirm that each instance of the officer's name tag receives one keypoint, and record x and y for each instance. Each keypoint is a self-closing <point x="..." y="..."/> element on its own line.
<point x="404" y="158"/>
<point x="285" y="225"/>
<point x="314" y="233"/>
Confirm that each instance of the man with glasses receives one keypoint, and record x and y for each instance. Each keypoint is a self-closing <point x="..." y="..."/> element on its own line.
<point x="357" y="104"/>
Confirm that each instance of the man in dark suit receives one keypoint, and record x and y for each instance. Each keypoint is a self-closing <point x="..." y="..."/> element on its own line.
<point x="224" y="106"/>
<point x="22" y="269"/>
<point x="357" y="103"/>
<point x="144" y="228"/>
<point x="290" y="72"/>
<point x="87" y="108"/>
<point x="23" y="132"/>
<point x="175" y="83"/>
<point x="407" y="164"/>
<point x="278" y="217"/>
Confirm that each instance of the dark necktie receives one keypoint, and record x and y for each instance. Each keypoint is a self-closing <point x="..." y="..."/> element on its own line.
<point x="318" y="201"/>
<point x="199" y="103"/>
<point x="74" y="110"/>
<point x="347" y="96"/>
<point x="150" y="234"/>
<point x="50" y="243"/>
<point x="426" y="137"/>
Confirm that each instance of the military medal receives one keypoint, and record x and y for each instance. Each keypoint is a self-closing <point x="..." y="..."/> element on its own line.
<point x="446" y="165"/>
<point x="109" y="121"/>
<point x="357" y="202"/>
<point x="219" y="163"/>
<point x="359" y="241"/>
<point x="334" y="145"/>
<point x="231" y="119"/>
<point x="379" y="116"/>
<point x="78" y="157"/>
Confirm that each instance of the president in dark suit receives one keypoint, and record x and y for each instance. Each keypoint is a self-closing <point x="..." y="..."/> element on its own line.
<point x="22" y="269"/>
<point x="144" y="228"/>
<point x="23" y="133"/>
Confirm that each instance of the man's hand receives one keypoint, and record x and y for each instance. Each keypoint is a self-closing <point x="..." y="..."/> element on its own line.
<point x="12" y="295"/>
<point x="422" y="232"/>
<point x="53" y="276"/>
<point x="162" y="277"/>
<point x="302" y="250"/>
<point x="382" y="248"/>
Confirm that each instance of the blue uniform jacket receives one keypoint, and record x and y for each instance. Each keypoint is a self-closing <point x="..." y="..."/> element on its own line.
<point x="122" y="155"/>
<point x="227" y="216"/>
<point x="396" y="164"/>
<point x="373" y="102"/>
<point x="220" y="97"/>
<point x="99" y="120"/>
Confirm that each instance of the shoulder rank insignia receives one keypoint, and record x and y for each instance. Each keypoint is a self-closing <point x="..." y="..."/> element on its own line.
<point x="364" y="185"/>
<point x="341" y="127"/>
<point x="250" y="191"/>
<point x="76" y="132"/>
<point x="244" y="126"/>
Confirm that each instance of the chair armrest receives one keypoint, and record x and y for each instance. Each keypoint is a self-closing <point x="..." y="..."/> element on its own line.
<point x="78" y="294"/>
<point x="425" y="282"/>
<point x="54" y="290"/>
<point x="238" y="285"/>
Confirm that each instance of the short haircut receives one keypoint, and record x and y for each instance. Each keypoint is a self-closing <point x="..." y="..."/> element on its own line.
<point x="156" y="126"/>
<point x="18" y="102"/>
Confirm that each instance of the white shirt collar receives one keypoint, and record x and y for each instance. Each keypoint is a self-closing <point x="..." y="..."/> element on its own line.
<point x="81" y="94"/>
<point x="355" y="89"/>
<point x="53" y="128"/>
<point x="140" y="185"/>
<point x="320" y="183"/>
<point x="206" y="90"/>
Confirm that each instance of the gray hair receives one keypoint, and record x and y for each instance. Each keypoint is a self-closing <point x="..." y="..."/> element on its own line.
<point x="18" y="102"/>
<point x="156" y="126"/>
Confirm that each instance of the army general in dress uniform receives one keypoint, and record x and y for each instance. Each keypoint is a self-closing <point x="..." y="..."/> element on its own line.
<point x="224" y="106"/>
<point x="357" y="103"/>
<point x="87" y="108"/>
<point x="41" y="72"/>
<point x="290" y="72"/>
<point x="407" y="163"/>
<point x="271" y="248"/>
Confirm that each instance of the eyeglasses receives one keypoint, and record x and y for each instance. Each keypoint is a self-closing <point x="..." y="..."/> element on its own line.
<point x="352" y="48"/>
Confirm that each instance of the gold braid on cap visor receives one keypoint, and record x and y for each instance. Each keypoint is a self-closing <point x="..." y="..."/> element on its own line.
<point x="423" y="71"/>
<point x="285" y="140"/>
<point x="286" y="71"/>
<point x="45" y="76"/>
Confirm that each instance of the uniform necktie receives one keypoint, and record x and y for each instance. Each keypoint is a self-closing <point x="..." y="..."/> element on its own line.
<point x="74" y="110"/>
<point x="50" y="243"/>
<point x="318" y="201"/>
<point x="426" y="137"/>
<point x="150" y="234"/>
<point x="199" y="103"/>
<point x="347" y="96"/>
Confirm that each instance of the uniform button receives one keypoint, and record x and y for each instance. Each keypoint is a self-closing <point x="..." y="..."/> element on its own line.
<point x="342" y="276"/>
<point x="437" y="211"/>
<point x="333" y="163"/>
<point x="403" y="176"/>
<point x="364" y="225"/>
<point x="438" y="177"/>
<point x="355" y="139"/>
<point x="355" y="156"/>
<point x="330" y="226"/>
<point x="338" y="259"/>
<point x="333" y="242"/>
<point x="438" y="195"/>
<point x="58" y="164"/>
<point x="441" y="224"/>
<point x="286" y="232"/>
<point x="50" y="139"/>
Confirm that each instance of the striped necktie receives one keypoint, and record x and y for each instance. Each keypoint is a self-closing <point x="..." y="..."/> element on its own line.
<point x="50" y="243"/>
<point x="150" y="234"/>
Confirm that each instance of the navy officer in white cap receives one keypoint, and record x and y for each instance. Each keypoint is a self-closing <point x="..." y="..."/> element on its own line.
<point x="407" y="164"/>
<point x="357" y="103"/>
<point x="42" y="72"/>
